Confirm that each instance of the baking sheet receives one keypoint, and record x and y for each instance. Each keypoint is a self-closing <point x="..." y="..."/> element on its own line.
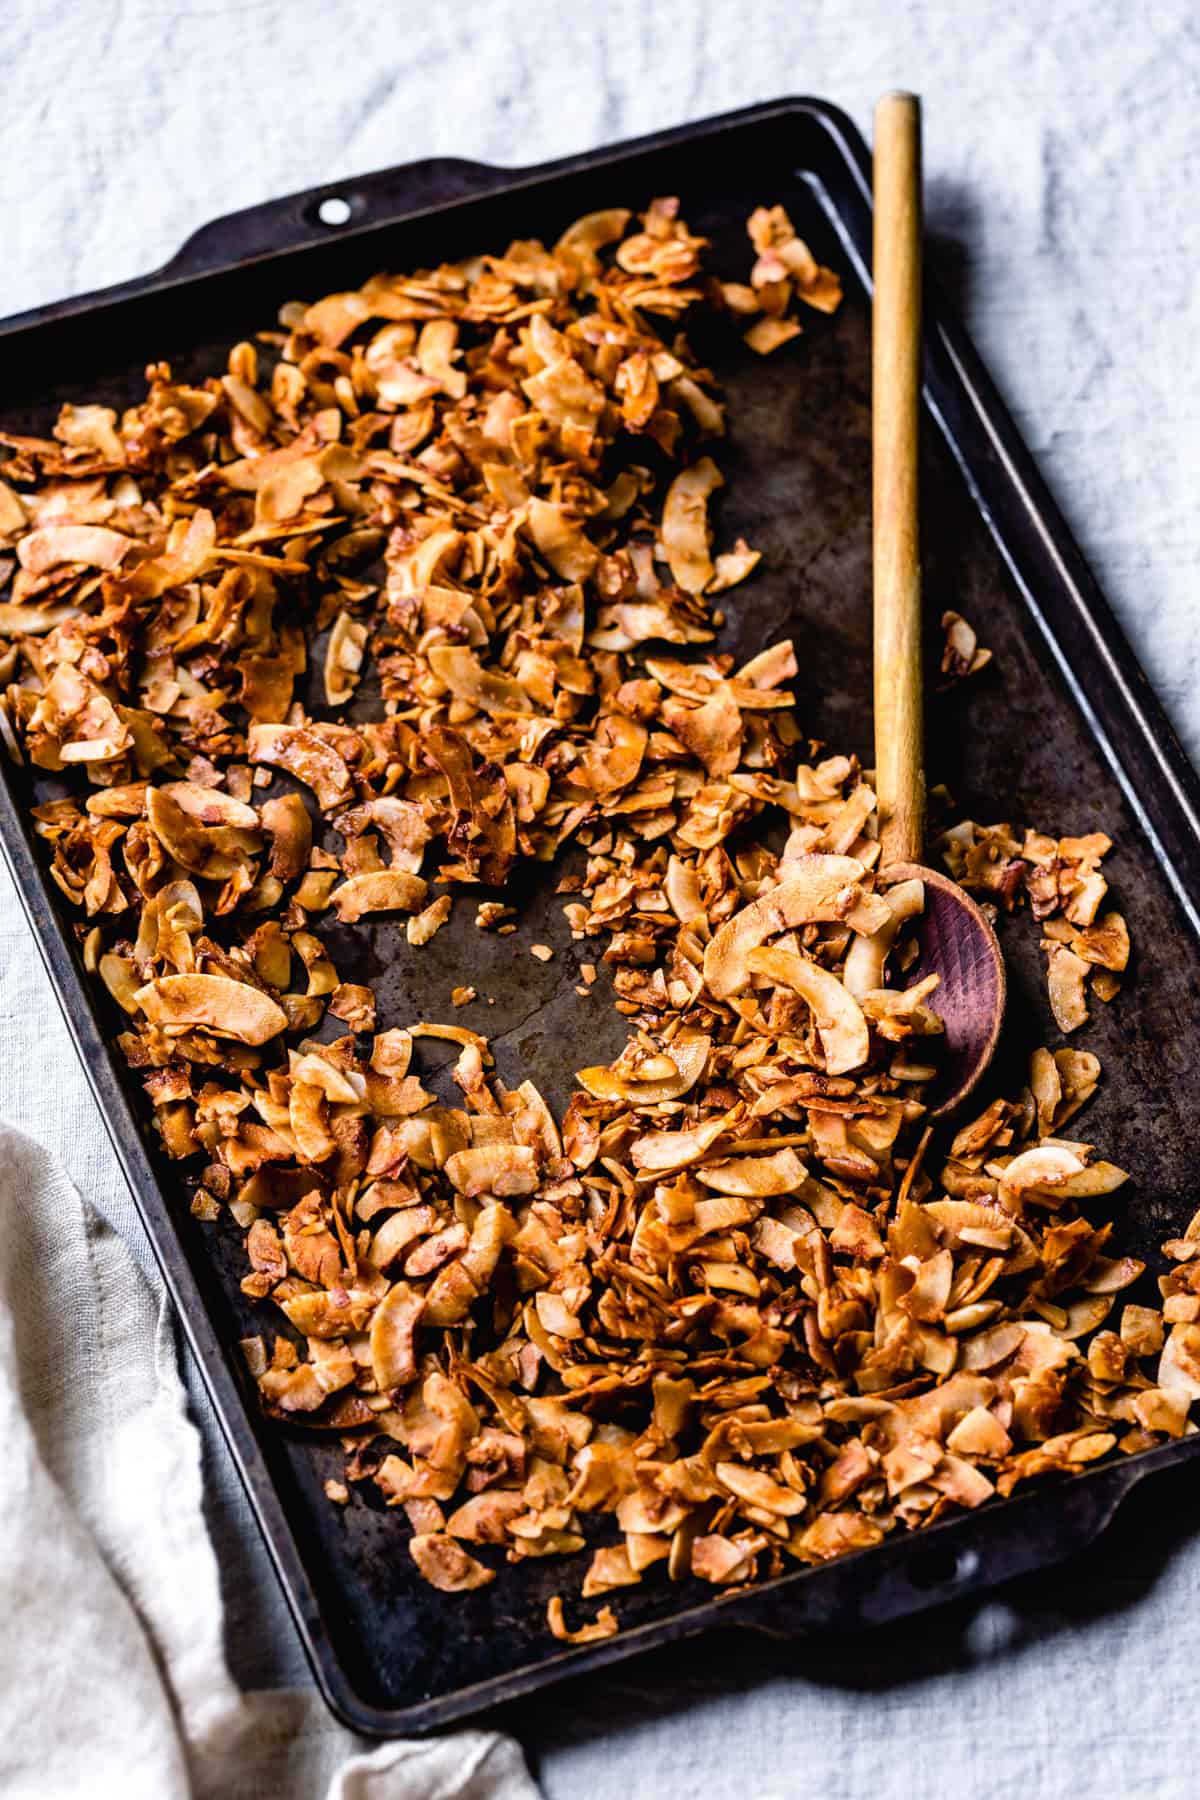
<point x="1060" y="733"/>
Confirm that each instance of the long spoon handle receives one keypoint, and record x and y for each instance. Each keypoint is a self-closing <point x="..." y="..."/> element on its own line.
<point x="896" y="400"/>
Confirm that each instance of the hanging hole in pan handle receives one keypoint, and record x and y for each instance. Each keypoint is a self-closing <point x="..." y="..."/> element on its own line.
<point x="942" y="1567"/>
<point x="335" y="211"/>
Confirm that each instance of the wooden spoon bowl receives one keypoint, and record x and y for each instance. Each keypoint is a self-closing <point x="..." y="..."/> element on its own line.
<point x="957" y="944"/>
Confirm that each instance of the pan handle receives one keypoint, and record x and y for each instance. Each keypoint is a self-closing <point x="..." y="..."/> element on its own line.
<point x="315" y="215"/>
<point x="909" y="1573"/>
<point x="297" y="222"/>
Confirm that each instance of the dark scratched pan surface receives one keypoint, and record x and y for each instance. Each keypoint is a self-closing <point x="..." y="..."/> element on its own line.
<point x="1062" y="732"/>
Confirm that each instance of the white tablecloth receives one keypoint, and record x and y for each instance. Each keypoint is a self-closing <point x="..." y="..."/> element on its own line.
<point x="1062" y="154"/>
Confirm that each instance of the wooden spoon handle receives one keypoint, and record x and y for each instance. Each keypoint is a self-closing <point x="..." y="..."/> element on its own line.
<point x="896" y="401"/>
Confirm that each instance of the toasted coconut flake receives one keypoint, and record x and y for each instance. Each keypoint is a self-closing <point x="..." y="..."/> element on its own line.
<point x="961" y="652"/>
<point x="1046" y="1086"/>
<point x="562" y="541"/>
<point x="603" y="1626"/>
<point x="1066" y="978"/>
<point x="467" y="678"/>
<point x="683" y="890"/>
<point x="593" y="231"/>
<point x="29" y="621"/>
<point x="839" y="1019"/>
<point x="688" y="1059"/>
<point x="285" y="818"/>
<point x="383" y="890"/>
<point x="344" y="658"/>
<point x="686" y="533"/>
<point x="52" y="545"/>
<point x="1179" y="1364"/>
<point x="724" y="1560"/>
<point x="429" y="921"/>
<point x="209" y="806"/>
<point x="818" y="889"/>
<point x="501" y="1169"/>
<point x="306" y="1116"/>
<point x="1058" y="1169"/>
<point x="306" y="756"/>
<point x="1106" y="943"/>
<point x="1045" y="1167"/>
<point x="732" y="567"/>
<point x="979" y="1433"/>
<point x="229" y="1009"/>
<point x="611" y="1567"/>
<point x="119" y="975"/>
<point x="768" y="334"/>
<point x="197" y="848"/>
<point x="835" y="1534"/>
<point x="400" y="823"/>
<point x="485" y="1518"/>
<point x="393" y="1361"/>
<point x="1142" y="1330"/>
<point x="615" y="758"/>
<point x="664" y="1152"/>
<point x="398" y="1233"/>
<point x="868" y="956"/>
<point x="446" y="1565"/>
<point x="757" y="1177"/>
<point x="758" y="1490"/>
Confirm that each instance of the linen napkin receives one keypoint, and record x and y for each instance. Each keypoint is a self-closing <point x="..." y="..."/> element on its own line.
<point x="112" y="1672"/>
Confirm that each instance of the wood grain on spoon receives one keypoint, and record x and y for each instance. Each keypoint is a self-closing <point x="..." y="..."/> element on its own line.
<point x="955" y="939"/>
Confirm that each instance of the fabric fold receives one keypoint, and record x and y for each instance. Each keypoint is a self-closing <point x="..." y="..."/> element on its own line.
<point x="112" y="1669"/>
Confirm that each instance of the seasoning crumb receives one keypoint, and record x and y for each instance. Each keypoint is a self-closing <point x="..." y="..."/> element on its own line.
<point x="604" y="1625"/>
<point x="543" y="952"/>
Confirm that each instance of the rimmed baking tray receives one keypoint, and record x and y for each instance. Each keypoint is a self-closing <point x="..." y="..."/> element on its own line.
<point x="1064" y="733"/>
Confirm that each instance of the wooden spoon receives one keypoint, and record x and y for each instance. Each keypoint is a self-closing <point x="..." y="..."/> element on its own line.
<point x="956" y="940"/>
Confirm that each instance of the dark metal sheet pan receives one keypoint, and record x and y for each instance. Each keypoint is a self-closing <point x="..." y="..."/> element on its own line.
<point x="1065" y="734"/>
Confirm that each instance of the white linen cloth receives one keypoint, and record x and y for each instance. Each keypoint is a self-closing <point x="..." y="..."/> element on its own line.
<point x="1062" y="158"/>
<point x="112" y="1672"/>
